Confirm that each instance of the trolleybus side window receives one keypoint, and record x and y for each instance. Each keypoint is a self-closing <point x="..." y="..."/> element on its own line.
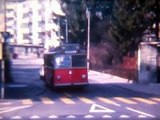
<point x="79" y="61"/>
<point x="63" y="61"/>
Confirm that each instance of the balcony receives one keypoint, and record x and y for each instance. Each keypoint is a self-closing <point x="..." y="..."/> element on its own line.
<point x="10" y="23"/>
<point x="10" y="14"/>
<point x="25" y="30"/>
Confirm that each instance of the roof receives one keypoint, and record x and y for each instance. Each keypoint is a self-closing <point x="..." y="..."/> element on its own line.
<point x="67" y="48"/>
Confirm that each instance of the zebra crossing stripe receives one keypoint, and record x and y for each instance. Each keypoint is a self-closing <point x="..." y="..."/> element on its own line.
<point x="156" y="99"/>
<point x="144" y="100"/>
<point x="52" y="117"/>
<point x="35" y="117"/>
<point x="88" y="116"/>
<point x="27" y="102"/>
<point x="86" y="100"/>
<point x="71" y="116"/>
<point x="125" y="100"/>
<point x="105" y="100"/>
<point x="16" y="117"/>
<point x="46" y="100"/>
<point x="106" y="116"/>
<point x="124" y="116"/>
<point x="67" y="100"/>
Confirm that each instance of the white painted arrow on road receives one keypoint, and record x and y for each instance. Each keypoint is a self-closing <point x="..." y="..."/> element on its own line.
<point x="99" y="109"/>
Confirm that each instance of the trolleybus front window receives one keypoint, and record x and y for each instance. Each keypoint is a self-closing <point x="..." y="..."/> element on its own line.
<point x="63" y="61"/>
<point x="79" y="61"/>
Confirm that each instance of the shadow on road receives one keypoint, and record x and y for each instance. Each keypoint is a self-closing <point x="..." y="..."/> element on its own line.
<point x="27" y="85"/>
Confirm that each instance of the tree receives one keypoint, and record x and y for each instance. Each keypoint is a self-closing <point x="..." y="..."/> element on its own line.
<point x="129" y="20"/>
<point x="117" y="23"/>
<point x="76" y="14"/>
<point x="76" y="17"/>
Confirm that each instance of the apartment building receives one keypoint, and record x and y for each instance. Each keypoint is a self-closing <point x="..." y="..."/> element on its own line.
<point x="2" y="18"/>
<point x="31" y="21"/>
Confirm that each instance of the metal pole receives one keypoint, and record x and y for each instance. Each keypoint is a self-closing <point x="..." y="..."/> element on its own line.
<point x="88" y="38"/>
<point x="59" y="31"/>
<point x="2" y="60"/>
<point x="66" y="31"/>
<point x="3" y="80"/>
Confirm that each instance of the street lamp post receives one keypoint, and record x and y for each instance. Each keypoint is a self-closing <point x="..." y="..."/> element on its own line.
<point x="88" y="37"/>
<point x="2" y="54"/>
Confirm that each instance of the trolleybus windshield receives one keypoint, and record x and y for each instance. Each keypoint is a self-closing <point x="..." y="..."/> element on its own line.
<point x="68" y="61"/>
<point x="63" y="61"/>
<point x="79" y="61"/>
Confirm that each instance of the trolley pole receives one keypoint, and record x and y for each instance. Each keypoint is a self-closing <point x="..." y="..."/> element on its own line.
<point x="59" y="31"/>
<point x="66" y="30"/>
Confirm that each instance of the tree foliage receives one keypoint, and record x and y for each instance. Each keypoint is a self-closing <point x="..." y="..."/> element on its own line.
<point x="129" y="20"/>
<point x="75" y="15"/>
<point x="118" y="23"/>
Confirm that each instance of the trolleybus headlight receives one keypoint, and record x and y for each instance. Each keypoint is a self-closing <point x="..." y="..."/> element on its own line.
<point x="58" y="77"/>
<point x="84" y="76"/>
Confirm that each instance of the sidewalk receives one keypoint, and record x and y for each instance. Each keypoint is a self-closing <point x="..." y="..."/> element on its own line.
<point x="152" y="88"/>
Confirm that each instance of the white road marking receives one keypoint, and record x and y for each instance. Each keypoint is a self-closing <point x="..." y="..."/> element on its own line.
<point x="14" y="108"/>
<point x="5" y="108"/>
<point x="88" y="116"/>
<point x="5" y="103"/>
<point x="106" y="116"/>
<point x="124" y="116"/>
<point x="142" y="116"/>
<point x="35" y="117"/>
<point x="71" y="116"/>
<point x="53" y="117"/>
<point x="140" y="112"/>
<point x="99" y="109"/>
<point x="16" y="117"/>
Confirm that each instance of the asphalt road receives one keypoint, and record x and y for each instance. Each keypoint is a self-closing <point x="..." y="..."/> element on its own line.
<point x="29" y="98"/>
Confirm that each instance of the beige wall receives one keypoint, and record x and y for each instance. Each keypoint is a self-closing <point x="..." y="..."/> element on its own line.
<point x="2" y="22"/>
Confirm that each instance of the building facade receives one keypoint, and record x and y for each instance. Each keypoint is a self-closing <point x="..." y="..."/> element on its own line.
<point x="31" y="21"/>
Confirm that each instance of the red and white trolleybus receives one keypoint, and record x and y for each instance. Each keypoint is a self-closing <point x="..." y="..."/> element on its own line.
<point x="66" y="65"/>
